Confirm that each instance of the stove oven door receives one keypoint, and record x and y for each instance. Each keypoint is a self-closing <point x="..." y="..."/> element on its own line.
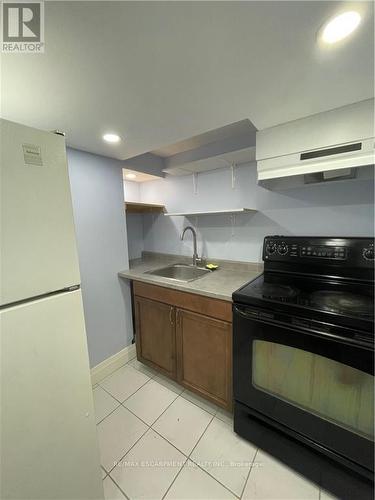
<point x="317" y="385"/>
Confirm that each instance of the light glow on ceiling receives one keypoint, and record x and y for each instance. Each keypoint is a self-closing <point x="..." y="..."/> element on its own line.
<point x="130" y="176"/>
<point x="111" y="138"/>
<point x="340" y="27"/>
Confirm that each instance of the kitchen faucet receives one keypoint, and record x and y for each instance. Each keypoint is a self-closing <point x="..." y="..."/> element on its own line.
<point x="196" y="259"/>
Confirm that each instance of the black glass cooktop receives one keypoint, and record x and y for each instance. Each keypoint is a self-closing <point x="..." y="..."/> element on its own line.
<point x="325" y="296"/>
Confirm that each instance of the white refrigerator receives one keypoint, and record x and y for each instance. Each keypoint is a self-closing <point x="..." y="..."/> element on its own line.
<point x="49" y="446"/>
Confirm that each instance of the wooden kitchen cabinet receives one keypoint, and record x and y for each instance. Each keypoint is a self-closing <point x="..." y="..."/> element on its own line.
<point x="155" y="338"/>
<point x="204" y="356"/>
<point x="187" y="337"/>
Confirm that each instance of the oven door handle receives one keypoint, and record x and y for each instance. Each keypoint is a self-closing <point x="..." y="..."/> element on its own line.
<point x="249" y="313"/>
<point x="264" y="317"/>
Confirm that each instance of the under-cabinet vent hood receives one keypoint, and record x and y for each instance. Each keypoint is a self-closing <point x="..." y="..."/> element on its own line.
<point x="338" y="139"/>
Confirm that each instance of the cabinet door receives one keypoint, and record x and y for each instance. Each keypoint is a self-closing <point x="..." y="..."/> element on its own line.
<point x="155" y="335"/>
<point x="204" y="356"/>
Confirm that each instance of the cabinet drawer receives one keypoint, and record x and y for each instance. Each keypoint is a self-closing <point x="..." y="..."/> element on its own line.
<point x="220" y="309"/>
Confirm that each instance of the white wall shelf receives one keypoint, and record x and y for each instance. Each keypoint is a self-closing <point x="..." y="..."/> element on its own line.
<point x="210" y="212"/>
<point x="135" y="207"/>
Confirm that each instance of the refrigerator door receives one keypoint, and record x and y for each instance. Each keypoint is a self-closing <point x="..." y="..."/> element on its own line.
<point x="38" y="249"/>
<point x="49" y="444"/>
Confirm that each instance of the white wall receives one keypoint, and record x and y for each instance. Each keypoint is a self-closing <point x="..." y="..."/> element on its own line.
<point x="132" y="191"/>
<point x="134" y="222"/>
<point x="134" y="225"/>
<point x="340" y="208"/>
<point x="98" y="206"/>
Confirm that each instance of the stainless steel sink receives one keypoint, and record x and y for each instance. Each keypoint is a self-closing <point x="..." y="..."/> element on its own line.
<point x="180" y="272"/>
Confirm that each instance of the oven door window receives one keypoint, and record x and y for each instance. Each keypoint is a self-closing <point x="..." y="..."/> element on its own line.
<point x="331" y="390"/>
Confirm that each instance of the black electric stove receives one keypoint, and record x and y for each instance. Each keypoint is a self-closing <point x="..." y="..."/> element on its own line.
<point x="303" y="357"/>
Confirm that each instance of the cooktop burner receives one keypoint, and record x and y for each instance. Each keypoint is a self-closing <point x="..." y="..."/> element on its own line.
<point x="308" y="294"/>
<point x="342" y="302"/>
<point x="276" y="291"/>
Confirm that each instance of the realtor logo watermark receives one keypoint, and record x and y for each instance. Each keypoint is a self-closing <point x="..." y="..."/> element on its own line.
<point x="22" y="27"/>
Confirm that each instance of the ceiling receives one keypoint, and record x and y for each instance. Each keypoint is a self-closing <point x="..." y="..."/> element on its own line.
<point x="242" y="128"/>
<point x="158" y="73"/>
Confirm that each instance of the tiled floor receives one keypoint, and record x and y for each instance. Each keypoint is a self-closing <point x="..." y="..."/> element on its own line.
<point x="160" y="441"/>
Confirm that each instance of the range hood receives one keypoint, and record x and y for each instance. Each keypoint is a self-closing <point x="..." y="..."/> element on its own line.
<point x="342" y="138"/>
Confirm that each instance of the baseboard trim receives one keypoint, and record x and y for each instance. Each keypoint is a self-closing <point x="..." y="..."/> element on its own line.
<point x="112" y="363"/>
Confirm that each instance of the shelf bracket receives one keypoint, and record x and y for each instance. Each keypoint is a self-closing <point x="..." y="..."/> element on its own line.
<point x="232" y="223"/>
<point x="195" y="183"/>
<point x="232" y="167"/>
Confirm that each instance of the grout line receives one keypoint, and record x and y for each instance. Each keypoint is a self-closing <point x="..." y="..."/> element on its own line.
<point x="215" y="478"/>
<point x="118" y="400"/>
<point x="105" y="472"/>
<point x="188" y="457"/>
<point x="148" y="428"/>
<point x="112" y="373"/>
<point x="147" y="368"/>
<point x="174" y="446"/>
<point x="174" y="479"/>
<point x="204" y="470"/>
<point x="123" y="492"/>
<point x="175" y="399"/>
<point x="208" y="402"/>
<point x="132" y="412"/>
<point x="251" y="468"/>
<point x="184" y="389"/>
<point x="119" y="460"/>
<point x="196" y="444"/>
<point x="170" y="404"/>
<point x="163" y="377"/>
<point x="110" y="413"/>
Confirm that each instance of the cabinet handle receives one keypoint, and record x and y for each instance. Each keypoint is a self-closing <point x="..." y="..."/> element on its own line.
<point x="171" y="315"/>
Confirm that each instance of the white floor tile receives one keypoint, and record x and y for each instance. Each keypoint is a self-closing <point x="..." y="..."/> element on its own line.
<point x="149" y="402"/>
<point x="199" y="401"/>
<point x="141" y="367"/>
<point x="270" y="479"/>
<point x="116" y="434"/>
<point x="111" y="491"/>
<point x="104" y="403"/>
<point x="124" y="382"/>
<point x="225" y="455"/>
<point x="182" y="424"/>
<point x="225" y="416"/>
<point x="169" y="384"/>
<point x="149" y="468"/>
<point x="193" y="483"/>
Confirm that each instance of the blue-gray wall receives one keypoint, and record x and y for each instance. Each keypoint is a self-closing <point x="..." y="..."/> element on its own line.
<point x="98" y="205"/>
<point x="338" y="208"/>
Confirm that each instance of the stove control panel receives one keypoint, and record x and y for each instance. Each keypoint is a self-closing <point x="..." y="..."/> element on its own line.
<point x="325" y="252"/>
<point x="348" y="252"/>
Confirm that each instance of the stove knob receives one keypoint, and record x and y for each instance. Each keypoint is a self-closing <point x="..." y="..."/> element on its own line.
<point x="282" y="249"/>
<point x="368" y="253"/>
<point x="271" y="248"/>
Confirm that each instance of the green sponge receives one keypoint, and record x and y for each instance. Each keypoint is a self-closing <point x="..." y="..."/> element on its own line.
<point x="212" y="267"/>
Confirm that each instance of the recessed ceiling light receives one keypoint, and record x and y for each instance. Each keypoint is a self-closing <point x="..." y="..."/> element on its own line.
<point x="130" y="176"/>
<point x="340" y="26"/>
<point x="111" y="138"/>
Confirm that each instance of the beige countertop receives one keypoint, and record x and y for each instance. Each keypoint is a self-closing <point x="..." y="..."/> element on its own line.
<point x="219" y="284"/>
